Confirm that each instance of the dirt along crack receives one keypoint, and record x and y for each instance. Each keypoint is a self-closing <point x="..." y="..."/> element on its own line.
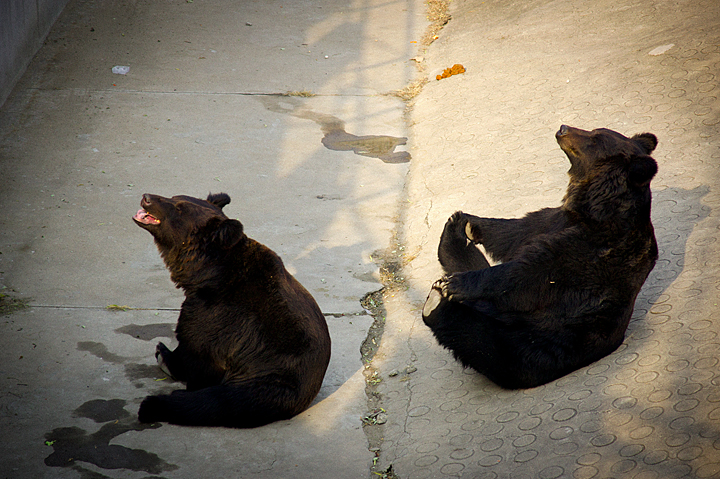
<point x="391" y="263"/>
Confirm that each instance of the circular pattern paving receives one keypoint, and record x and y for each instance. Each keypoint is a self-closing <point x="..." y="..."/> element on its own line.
<point x="651" y="409"/>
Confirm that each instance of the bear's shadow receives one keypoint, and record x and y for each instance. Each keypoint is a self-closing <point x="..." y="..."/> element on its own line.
<point x="675" y="213"/>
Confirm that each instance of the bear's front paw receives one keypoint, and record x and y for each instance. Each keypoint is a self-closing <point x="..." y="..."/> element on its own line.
<point x="161" y="354"/>
<point x="460" y="226"/>
<point x="455" y="225"/>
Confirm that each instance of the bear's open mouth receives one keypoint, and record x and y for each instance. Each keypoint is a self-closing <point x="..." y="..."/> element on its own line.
<point x="145" y="218"/>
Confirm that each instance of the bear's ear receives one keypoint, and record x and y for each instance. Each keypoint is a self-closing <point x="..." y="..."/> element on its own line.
<point x="647" y="141"/>
<point x="642" y="170"/>
<point x="228" y="233"/>
<point x="219" y="199"/>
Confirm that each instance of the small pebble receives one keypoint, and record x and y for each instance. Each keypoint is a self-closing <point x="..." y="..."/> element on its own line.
<point x="381" y="418"/>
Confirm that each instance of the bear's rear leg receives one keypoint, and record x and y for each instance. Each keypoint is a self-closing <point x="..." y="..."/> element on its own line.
<point x="247" y="405"/>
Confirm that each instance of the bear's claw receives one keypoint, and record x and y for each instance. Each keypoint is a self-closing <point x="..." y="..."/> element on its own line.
<point x="451" y="287"/>
<point x="469" y="233"/>
<point x="160" y="351"/>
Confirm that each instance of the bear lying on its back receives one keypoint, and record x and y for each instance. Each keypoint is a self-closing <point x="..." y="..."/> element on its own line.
<point x="253" y="343"/>
<point x="564" y="293"/>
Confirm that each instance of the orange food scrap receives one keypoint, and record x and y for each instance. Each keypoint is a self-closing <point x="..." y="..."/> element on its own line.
<point x="448" y="72"/>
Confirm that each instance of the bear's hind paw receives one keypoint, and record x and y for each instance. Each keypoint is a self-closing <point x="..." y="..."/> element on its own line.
<point x="433" y="300"/>
<point x="430" y="312"/>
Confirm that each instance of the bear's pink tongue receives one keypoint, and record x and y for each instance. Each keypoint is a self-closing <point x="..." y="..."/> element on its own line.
<point x="146" y="218"/>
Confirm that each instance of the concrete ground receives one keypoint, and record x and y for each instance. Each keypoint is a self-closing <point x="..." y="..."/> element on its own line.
<point x="216" y="100"/>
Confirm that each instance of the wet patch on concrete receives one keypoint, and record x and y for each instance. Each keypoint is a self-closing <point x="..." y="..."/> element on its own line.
<point x="133" y="371"/>
<point x="99" y="350"/>
<point x="148" y="332"/>
<point x="100" y="410"/>
<point x="73" y="445"/>
<point x="336" y="138"/>
<point x="381" y="147"/>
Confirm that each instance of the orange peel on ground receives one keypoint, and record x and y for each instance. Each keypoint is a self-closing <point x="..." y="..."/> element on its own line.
<point x="448" y="72"/>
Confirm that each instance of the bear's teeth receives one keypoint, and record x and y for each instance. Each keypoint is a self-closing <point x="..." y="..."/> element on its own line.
<point x="146" y="217"/>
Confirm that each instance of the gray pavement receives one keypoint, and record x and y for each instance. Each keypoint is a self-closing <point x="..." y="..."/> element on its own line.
<point x="201" y="110"/>
<point x="216" y="99"/>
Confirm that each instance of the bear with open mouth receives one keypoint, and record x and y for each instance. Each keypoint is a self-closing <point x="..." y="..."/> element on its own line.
<point x="253" y="345"/>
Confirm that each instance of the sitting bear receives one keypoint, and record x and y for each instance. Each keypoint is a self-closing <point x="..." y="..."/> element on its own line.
<point x="564" y="291"/>
<point x="253" y="343"/>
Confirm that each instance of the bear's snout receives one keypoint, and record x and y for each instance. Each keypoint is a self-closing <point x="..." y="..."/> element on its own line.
<point x="146" y="200"/>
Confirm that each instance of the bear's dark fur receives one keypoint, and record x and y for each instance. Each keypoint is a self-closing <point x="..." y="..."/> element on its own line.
<point x="564" y="292"/>
<point x="253" y="343"/>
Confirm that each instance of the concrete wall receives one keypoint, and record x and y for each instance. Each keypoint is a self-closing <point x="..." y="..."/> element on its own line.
<point x="23" y="27"/>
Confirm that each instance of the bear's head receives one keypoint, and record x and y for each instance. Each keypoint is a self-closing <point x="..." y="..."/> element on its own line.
<point x="609" y="173"/>
<point x="188" y="230"/>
